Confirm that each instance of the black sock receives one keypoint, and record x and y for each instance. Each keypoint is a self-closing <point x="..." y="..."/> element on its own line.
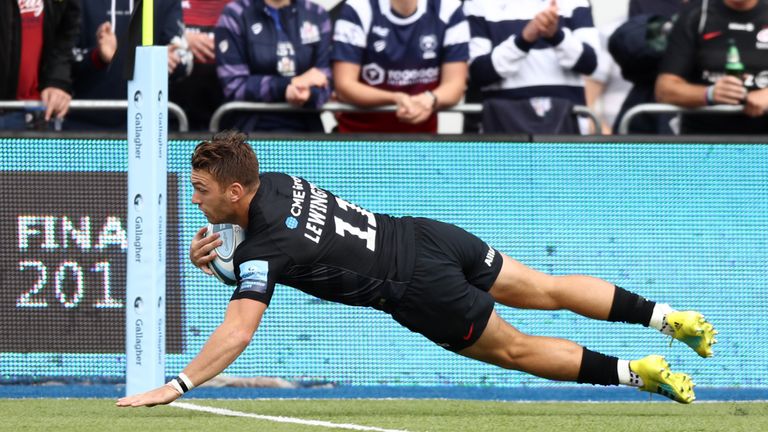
<point x="598" y="368"/>
<point x="630" y="308"/>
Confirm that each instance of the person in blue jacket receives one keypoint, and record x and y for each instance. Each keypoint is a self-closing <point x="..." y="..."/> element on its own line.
<point x="274" y="51"/>
<point x="98" y="71"/>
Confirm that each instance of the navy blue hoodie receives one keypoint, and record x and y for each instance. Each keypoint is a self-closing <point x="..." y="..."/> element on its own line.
<point x="95" y="80"/>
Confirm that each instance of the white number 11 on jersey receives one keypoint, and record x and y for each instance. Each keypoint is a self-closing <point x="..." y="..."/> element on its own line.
<point x="368" y="233"/>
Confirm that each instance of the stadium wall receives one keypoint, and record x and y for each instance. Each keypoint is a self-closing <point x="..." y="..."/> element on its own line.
<point x="682" y="222"/>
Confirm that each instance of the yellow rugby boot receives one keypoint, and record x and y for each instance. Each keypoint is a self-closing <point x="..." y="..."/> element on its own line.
<point x="691" y="328"/>
<point x="657" y="378"/>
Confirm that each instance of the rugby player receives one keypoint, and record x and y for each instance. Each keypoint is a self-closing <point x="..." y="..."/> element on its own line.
<point x="431" y="277"/>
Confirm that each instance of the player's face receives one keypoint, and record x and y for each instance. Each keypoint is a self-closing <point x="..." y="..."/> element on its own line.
<point x="210" y="197"/>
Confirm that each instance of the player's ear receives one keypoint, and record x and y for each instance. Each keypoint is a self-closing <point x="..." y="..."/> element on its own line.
<point x="236" y="192"/>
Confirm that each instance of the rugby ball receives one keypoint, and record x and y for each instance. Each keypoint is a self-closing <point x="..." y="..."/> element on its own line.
<point x="223" y="266"/>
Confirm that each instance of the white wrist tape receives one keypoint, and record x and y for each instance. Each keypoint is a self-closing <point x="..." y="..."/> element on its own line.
<point x="175" y="385"/>
<point x="187" y="381"/>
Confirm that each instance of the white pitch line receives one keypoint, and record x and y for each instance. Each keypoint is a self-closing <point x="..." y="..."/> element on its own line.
<point x="280" y="419"/>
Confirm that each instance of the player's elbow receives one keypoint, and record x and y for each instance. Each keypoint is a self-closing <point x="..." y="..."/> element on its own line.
<point x="239" y="336"/>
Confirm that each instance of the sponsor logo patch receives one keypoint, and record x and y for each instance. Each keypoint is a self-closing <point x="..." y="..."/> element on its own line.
<point x="490" y="256"/>
<point x="747" y="27"/>
<point x="373" y="74"/>
<point x="379" y="45"/>
<point x="253" y="276"/>
<point x="291" y="222"/>
<point x="380" y="31"/>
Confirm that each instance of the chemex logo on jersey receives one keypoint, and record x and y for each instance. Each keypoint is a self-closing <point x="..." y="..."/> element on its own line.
<point x="291" y="222"/>
<point x="428" y="45"/>
<point x="31" y="6"/>
<point x="297" y="204"/>
<point x="762" y="39"/>
<point x="318" y="208"/>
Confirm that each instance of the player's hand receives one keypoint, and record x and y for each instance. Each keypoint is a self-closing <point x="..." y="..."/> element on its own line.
<point x="56" y="102"/>
<point x="202" y="46"/>
<point x="106" y="42"/>
<point x="756" y="104"/>
<point x="729" y="91"/>
<point x="160" y="396"/>
<point x="202" y="249"/>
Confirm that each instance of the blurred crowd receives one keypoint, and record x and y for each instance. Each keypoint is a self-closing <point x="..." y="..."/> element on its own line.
<point x="529" y="63"/>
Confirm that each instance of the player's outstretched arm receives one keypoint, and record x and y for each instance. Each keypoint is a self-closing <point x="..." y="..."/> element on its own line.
<point x="226" y="343"/>
<point x="202" y="250"/>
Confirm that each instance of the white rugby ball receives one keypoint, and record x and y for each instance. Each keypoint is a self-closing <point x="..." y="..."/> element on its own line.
<point x="223" y="266"/>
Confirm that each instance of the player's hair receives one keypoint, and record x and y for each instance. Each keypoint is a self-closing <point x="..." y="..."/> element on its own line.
<point x="229" y="158"/>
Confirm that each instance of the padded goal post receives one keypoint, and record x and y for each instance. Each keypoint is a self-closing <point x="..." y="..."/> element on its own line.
<point x="147" y="211"/>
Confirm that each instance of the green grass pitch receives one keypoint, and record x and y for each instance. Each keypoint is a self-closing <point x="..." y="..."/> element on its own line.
<point x="83" y="415"/>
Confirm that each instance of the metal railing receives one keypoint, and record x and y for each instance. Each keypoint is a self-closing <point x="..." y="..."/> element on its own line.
<point x="658" y="108"/>
<point x="469" y="108"/>
<point x="96" y="104"/>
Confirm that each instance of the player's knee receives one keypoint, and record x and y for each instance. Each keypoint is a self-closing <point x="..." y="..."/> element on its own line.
<point x="553" y="290"/>
<point x="517" y="351"/>
<point x="511" y="351"/>
<point x="546" y="293"/>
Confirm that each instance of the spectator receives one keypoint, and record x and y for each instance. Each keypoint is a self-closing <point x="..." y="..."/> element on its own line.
<point x="36" y="39"/>
<point x="638" y="46"/>
<point x="98" y="72"/>
<point x="693" y="69"/>
<point x="529" y="62"/>
<point x="409" y="53"/>
<point x="606" y="89"/>
<point x="275" y="51"/>
<point x="199" y="95"/>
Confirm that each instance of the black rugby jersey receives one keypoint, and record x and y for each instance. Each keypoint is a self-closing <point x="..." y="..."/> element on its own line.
<point x="699" y="56"/>
<point x="307" y="238"/>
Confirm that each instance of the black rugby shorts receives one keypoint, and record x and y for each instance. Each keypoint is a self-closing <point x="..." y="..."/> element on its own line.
<point x="447" y="299"/>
